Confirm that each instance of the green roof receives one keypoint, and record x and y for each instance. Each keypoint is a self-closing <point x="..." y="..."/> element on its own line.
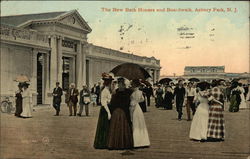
<point x="15" y="20"/>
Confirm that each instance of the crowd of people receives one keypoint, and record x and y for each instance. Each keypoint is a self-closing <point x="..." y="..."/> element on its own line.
<point x="206" y="101"/>
<point x="121" y="123"/>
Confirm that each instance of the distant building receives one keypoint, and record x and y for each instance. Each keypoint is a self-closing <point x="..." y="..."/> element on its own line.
<point x="208" y="73"/>
<point x="204" y="72"/>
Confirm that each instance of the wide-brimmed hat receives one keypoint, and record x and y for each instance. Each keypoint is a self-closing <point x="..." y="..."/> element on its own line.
<point x="106" y="76"/>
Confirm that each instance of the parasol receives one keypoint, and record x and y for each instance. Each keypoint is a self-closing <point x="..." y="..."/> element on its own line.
<point x="22" y="78"/>
<point x="130" y="71"/>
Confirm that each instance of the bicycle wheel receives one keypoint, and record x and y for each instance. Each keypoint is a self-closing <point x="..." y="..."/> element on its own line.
<point x="4" y="106"/>
<point x="9" y="108"/>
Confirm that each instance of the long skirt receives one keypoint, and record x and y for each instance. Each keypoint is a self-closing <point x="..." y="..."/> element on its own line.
<point x="143" y="106"/>
<point x="199" y="125"/>
<point x="27" y="108"/>
<point x="216" y="128"/>
<point x="159" y="101"/>
<point x="243" y="103"/>
<point x="120" y="131"/>
<point x="168" y="104"/>
<point x="19" y="104"/>
<point x="140" y="132"/>
<point x="234" y="104"/>
<point x="102" y="130"/>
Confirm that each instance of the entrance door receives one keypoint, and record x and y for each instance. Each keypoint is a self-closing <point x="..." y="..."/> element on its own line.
<point x="68" y="75"/>
<point x="65" y="74"/>
<point x="40" y="61"/>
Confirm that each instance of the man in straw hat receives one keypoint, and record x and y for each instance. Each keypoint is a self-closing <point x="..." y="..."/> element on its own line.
<point x="72" y="99"/>
<point x="84" y="100"/>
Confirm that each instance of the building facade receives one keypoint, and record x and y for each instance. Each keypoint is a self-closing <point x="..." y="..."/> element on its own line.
<point x="204" y="72"/>
<point x="51" y="47"/>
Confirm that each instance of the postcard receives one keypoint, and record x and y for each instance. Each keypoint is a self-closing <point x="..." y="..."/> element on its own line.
<point x="124" y="79"/>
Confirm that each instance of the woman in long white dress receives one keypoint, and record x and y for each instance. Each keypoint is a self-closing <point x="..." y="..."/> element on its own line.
<point x="27" y="102"/>
<point x="140" y="132"/>
<point x="199" y="125"/>
<point x="243" y="103"/>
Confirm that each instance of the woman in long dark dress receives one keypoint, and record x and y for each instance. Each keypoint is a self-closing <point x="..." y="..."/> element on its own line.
<point x="120" y="131"/>
<point x="235" y="98"/>
<point x="168" y="99"/>
<point x="102" y="129"/>
<point x="159" y="99"/>
<point x="19" y="101"/>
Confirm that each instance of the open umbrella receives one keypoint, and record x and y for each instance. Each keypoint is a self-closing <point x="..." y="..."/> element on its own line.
<point x="194" y="80"/>
<point x="130" y="71"/>
<point x="165" y="80"/>
<point x="22" y="78"/>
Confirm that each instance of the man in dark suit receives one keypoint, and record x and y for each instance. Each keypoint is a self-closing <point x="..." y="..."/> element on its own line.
<point x="149" y="93"/>
<point x="72" y="99"/>
<point x="57" y="94"/>
<point x="179" y="93"/>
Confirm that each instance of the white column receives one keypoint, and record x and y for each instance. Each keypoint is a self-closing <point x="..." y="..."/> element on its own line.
<point x="84" y="50"/>
<point x="47" y="78"/>
<point x="79" y="80"/>
<point x="53" y="63"/>
<point x="155" y="78"/>
<point x="91" y="84"/>
<point x="59" y="61"/>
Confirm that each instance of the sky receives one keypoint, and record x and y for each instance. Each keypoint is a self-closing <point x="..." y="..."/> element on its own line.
<point x="177" y="38"/>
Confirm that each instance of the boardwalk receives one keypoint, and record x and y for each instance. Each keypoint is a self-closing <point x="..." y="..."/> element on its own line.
<point x="48" y="137"/>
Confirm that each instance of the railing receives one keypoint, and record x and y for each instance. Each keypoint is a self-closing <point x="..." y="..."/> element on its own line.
<point x="17" y="33"/>
<point x="116" y="53"/>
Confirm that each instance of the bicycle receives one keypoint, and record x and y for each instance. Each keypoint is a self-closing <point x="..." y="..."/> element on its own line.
<point x="7" y="105"/>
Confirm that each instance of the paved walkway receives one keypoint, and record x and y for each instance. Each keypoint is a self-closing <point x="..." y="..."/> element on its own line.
<point x="49" y="137"/>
